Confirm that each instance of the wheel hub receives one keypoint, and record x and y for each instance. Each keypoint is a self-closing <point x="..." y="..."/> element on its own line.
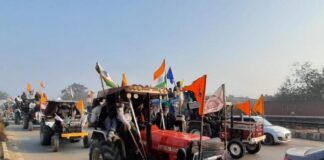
<point x="235" y="149"/>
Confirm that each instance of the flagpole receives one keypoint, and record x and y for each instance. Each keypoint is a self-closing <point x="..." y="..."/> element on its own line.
<point x="102" y="85"/>
<point x="200" y="137"/>
<point x="225" y="139"/>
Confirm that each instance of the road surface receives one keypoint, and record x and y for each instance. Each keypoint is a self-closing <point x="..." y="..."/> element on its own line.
<point x="25" y="145"/>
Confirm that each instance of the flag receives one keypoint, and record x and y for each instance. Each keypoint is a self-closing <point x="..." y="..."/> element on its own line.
<point x="105" y="76"/>
<point x="159" y="76"/>
<point x="198" y="87"/>
<point x="43" y="99"/>
<point x="245" y="107"/>
<point x="42" y="84"/>
<point x="259" y="106"/>
<point x="124" y="80"/>
<point x="79" y="105"/>
<point x="170" y="76"/>
<point x="216" y="102"/>
<point x="29" y="88"/>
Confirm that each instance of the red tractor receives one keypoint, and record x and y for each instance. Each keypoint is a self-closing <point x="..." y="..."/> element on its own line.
<point x="241" y="136"/>
<point x="151" y="143"/>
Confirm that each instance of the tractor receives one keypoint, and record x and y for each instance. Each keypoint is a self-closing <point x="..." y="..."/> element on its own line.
<point x="144" y="140"/>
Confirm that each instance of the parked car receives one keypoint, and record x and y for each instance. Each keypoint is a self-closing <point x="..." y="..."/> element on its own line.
<point x="274" y="134"/>
<point x="305" y="153"/>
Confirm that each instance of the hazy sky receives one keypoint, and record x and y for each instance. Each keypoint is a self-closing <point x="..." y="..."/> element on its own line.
<point x="248" y="45"/>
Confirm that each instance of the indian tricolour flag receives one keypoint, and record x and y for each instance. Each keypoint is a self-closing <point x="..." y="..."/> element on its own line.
<point x="159" y="76"/>
<point x="105" y="76"/>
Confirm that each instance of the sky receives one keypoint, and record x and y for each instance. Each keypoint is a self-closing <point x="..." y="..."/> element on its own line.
<point x="248" y="45"/>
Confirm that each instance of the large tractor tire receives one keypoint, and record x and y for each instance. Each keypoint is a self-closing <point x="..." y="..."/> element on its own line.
<point x="269" y="140"/>
<point x="104" y="151"/>
<point x="55" y="143"/>
<point x="30" y="126"/>
<point x="254" y="148"/>
<point x="236" y="149"/>
<point x="45" y="135"/>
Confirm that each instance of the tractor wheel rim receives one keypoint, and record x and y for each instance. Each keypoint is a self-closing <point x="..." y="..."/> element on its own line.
<point x="235" y="149"/>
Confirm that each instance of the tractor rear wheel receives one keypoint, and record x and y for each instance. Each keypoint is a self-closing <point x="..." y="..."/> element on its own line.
<point x="105" y="151"/>
<point x="236" y="149"/>
<point x="253" y="148"/>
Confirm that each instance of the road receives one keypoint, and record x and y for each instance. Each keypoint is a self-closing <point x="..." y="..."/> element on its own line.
<point x="24" y="145"/>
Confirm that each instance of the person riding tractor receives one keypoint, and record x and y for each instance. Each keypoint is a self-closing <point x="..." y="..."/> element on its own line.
<point x="133" y="137"/>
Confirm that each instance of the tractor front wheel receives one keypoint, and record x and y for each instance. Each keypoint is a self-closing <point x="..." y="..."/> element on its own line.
<point x="253" y="148"/>
<point x="236" y="149"/>
<point x="86" y="143"/>
<point x="55" y="143"/>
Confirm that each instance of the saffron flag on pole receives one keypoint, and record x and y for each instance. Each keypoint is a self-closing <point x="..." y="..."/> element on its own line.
<point x="29" y="88"/>
<point x="198" y="87"/>
<point x="245" y="107"/>
<point x="259" y="106"/>
<point x="105" y="76"/>
<point x="216" y="102"/>
<point x="124" y="80"/>
<point x="170" y="76"/>
<point x="159" y="76"/>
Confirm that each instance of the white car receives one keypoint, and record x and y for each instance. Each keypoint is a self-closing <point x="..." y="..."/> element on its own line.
<point x="274" y="134"/>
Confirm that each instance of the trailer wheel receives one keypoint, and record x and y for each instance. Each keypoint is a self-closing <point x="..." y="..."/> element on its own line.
<point x="55" y="143"/>
<point x="236" y="149"/>
<point x="104" y="151"/>
<point x="254" y="148"/>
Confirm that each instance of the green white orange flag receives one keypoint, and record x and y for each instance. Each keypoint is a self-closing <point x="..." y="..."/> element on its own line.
<point x="159" y="76"/>
<point x="105" y="76"/>
<point x="245" y="107"/>
<point x="259" y="106"/>
<point x="198" y="87"/>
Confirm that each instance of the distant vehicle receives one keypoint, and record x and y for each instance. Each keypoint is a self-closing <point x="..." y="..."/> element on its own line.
<point x="274" y="134"/>
<point x="305" y="153"/>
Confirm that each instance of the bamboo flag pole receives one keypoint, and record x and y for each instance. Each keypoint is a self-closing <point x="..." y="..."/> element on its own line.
<point x="225" y="139"/>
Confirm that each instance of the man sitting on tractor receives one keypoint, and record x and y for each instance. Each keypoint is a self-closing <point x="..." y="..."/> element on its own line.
<point x="169" y="118"/>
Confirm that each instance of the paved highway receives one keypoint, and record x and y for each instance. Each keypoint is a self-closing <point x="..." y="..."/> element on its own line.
<point x="24" y="145"/>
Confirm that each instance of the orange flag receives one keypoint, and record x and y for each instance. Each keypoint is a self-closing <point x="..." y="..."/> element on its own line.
<point x="124" y="80"/>
<point x="198" y="87"/>
<point x="160" y="71"/>
<point x="259" y="106"/>
<point x="244" y="107"/>
<point x="29" y="88"/>
<point x="80" y="106"/>
<point x="43" y="99"/>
